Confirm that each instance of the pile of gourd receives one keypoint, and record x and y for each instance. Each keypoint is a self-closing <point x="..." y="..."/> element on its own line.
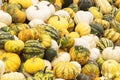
<point x="59" y="40"/>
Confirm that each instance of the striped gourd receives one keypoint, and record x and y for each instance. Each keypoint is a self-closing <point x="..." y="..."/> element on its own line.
<point x="96" y="28"/>
<point x="111" y="34"/>
<point x="45" y="28"/>
<point x="5" y="36"/>
<point x="32" y="48"/>
<point x="104" y="42"/>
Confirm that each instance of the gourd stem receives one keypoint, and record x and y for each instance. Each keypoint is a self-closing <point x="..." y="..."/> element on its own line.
<point x="45" y="69"/>
<point x="36" y="7"/>
<point x="48" y="4"/>
<point x="113" y="47"/>
<point x="58" y="18"/>
<point x="5" y="1"/>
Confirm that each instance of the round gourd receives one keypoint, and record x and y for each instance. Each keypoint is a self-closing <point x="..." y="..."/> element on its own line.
<point x="111" y="53"/>
<point x="65" y="70"/>
<point x="80" y="54"/>
<point x="16" y="11"/>
<point x="5" y="17"/>
<point x="85" y="4"/>
<point x="50" y="54"/>
<point x="5" y="36"/>
<point x="70" y="11"/>
<point x="83" y="16"/>
<point x="45" y="74"/>
<point x="62" y="13"/>
<point x="33" y="65"/>
<point x="10" y="59"/>
<point x="54" y="45"/>
<point x="36" y="11"/>
<point x="13" y="76"/>
<point x="91" y="70"/>
<point x="14" y="46"/>
<point x="96" y="29"/>
<point x="77" y="65"/>
<point x="109" y="68"/>
<point x="74" y="34"/>
<point x="83" y="28"/>
<point x="104" y="43"/>
<point x="32" y="48"/>
<point x="82" y="77"/>
<point x="58" y="22"/>
<point x="100" y="61"/>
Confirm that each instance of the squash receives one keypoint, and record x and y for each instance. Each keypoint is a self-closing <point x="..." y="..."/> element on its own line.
<point x="74" y="34"/>
<point x="63" y="32"/>
<point x="116" y="25"/>
<point x="62" y="13"/>
<point x="104" y="5"/>
<point x="5" y="36"/>
<point x="54" y="45"/>
<point x="80" y="54"/>
<point x="39" y="12"/>
<point x="85" y="4"/>
<point x="104" y="43"/>
<point x="109" y="69"/>
<point x="83" y="28"/>
<point x="14" y="46"/>
<point x="111" y="34"/>
<point x="96" y="29"/>
<point x="82" y="77"/>
<point x="28" y="34"/>
<point x="32" y="48"/>
<point x="44" y="74"/>
<point x="91" y="70"/>
<point x="33" y="65"/>
<point x="10" y="59"/>
<point x="113" y="53"/>
<point x="70" y="11"/>
<point x="50" y="54"/>
<point x="96" y="12"/>
<point x="13" y="76"/>
<point x="100" y="61"/>
<point x="77" y="65"/>
<point x="79" y="17"/>
<point x="58" y="22"/>
<point x="35" y="22"/>
<point x="16" y="11"/>
<point x="65" y="70"/>
<point x="5" y="17"/>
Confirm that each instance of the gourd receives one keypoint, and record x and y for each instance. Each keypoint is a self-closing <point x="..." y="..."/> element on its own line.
<point x="58" y="22"/>
<point x="77" y="65"/>
<point x="83" y="28"/>
<point x="96" y="29"/>
<point x="5" y="36"/>
<point x="32" y="48"/>
<point x="14" y="46"/>
<point x="13" y="76"/>
<point x="109" y="68"/>
<point x="39" y="12"/>
<point x="5" y="17"/>
<point x="54" y="45"/>
<point x="79" y="17"/>
<point x="10" y="59"/>
<point x="44" y="74"/>
<point x="113" y="53"/>
<point x="2" y="68"/>
<point x="33" y="65"/>
<point x="2" y="24"/>
<point x="91" y="70"/>
<point x="104" y="5"/>
<point x="85" y="4"/>
<point x="62" y="13"/>
<point x="79" y="54"/>
<point x="65" y="70"/>
<point x="70" y="11"/>
<point x="16" y="11"/>
<point x="82" y="77"/>
<point x="115" y="24"/>
<point x="48" y="64"/>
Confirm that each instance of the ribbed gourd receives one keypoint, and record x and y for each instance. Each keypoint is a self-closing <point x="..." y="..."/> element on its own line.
<point x="80" y="54"/>
<point x="32" y="48"/>
<point x="49" y="29"/>
<point x="5" y="36"/>
<point x="104" y="42"/>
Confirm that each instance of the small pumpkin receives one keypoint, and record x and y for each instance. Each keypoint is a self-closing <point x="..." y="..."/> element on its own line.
<point x="79" y="17"/>
<point x="13" y="76"/>
<point x="83" y="28"/>
<point x="80" y="54"/>
<point x="10" y="59"/>
<point x="65" y="70"/>
<point x="14" y="46"/>
<point x="44" y="74"/>
<point x="5" y="17"/>
<point x="109" y="68"/>
<point x="91" y="70"/>
<point x="33" y="65"/>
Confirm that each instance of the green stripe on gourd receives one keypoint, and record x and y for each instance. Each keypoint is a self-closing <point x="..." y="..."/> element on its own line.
<point x="5" y="36"/>
<point x="103" y="43"/>
<point x="32" y="48"/>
